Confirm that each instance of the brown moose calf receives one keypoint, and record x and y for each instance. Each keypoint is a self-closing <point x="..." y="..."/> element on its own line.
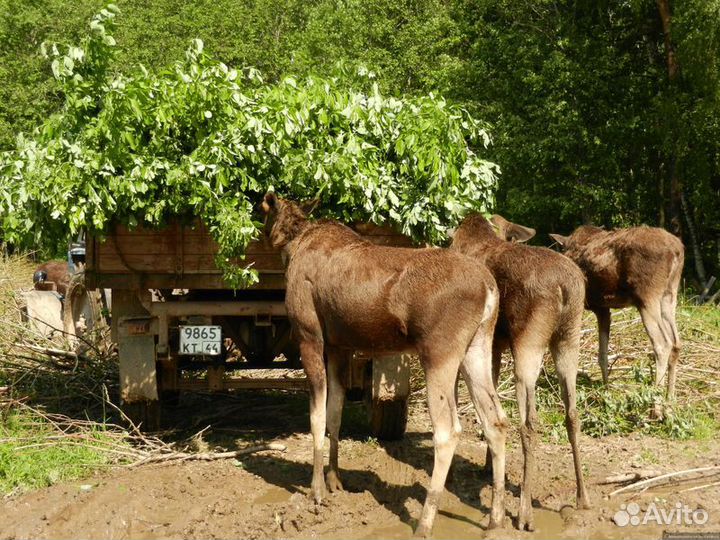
<point x="56" y="272"/>
<point x="345" y="294"/>
<point x="640" y="267"/>
<point x="541" y="306"/>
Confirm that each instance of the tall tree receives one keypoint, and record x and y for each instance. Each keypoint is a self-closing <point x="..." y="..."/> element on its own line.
<point x="678" y="201"/>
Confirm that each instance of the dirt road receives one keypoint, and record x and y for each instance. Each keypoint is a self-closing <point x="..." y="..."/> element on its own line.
<point x="264" y="496"/>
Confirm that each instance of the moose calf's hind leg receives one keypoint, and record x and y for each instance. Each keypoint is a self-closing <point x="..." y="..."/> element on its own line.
<point x="312" y="358"/>
<point x="651" y="315"/>
<point x="337" y="363"/>
<point x="603" y="319"/>
<point x="478" y="378"/>
<point x="566" y="358"/>
<point x="525" y="391"/>
<point x="497" y="351"/>
<point x="669" y="305"/>
<point x="446" y="433"/>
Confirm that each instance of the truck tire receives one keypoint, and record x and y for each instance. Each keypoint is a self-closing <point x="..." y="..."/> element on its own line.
<point x="82" y="310"/>
<point x="144" y="414"/>
<point x="387" y="412"/>
<point x="387" y="418"/>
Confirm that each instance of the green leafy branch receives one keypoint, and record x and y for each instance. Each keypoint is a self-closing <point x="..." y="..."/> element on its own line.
<point x="204" y="139"/>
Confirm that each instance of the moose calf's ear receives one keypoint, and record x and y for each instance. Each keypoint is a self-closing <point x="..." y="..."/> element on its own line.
<point x="511" y="231"/>
<point x="269" y="202"/>
<point x="519" y="233"/>
<point x="559" y="238"/>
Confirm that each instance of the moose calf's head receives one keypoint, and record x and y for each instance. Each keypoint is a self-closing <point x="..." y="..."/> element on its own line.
<point x="579" y="237"/>
<point x="476" y="229"/>
<point x="284" y="219"/>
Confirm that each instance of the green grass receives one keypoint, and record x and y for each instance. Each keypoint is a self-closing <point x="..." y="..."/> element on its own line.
<point x="705" y="318"/>
<point x="626" y="409"/>
<point x="31" y="458"/>
<point x="625" y="406"/>
<point x="34" y="453"/>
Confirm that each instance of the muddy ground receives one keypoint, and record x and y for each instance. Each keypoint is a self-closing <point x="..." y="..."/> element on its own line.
<point x="264" y="495"/>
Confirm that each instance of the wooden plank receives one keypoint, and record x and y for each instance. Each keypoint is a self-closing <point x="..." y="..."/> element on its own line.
<point x="197" y="228"/>
<point x="138" y="380"/>
<point x="393" y="241"/>
<point x="112" y="262"/>
<point x="125" y="280"/>
<point x="237" y="307"/>
<point x="215" y="378"/>
<point x="183" y="257"/>
<point x="161" y="244"/>
<point x="146" y="243"/>
<point x="191" y="263"/>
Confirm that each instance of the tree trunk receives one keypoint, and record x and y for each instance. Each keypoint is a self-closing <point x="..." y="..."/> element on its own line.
<point x="694" y="244"/>
<point x="666" y="19"/>
<point x="661" y="191"/>
<point x="673" y="69"/>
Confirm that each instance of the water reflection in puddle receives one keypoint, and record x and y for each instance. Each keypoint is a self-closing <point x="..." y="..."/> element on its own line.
<point x="457" y="521"/>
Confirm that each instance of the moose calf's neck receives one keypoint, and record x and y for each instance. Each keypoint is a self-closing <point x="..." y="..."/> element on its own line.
<point x="476" y="237"/>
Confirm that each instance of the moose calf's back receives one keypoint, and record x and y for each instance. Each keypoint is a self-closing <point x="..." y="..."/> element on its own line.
<point x="533" y="281"/>
<point x="626" y="266"/>
<point x="379" y="298"/>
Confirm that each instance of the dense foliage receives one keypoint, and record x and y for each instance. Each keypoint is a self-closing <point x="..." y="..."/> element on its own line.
<point x="204" y="139"/>
<point x="587" y="125"/>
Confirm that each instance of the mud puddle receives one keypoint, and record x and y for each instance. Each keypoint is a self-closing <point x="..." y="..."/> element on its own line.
<point x="265" y="495"/>
<point x="457" y="521"/>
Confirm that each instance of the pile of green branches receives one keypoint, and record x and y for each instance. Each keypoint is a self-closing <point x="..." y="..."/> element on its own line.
<point x="202" y="139"/>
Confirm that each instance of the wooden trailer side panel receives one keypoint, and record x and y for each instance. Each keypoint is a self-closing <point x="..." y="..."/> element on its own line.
<point x="183" y="257"/>
<point x="179" y="256"/>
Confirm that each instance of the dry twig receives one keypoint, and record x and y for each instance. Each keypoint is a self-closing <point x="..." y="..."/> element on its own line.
<point x="673" y="475"/>
<point x="629" y="477"/>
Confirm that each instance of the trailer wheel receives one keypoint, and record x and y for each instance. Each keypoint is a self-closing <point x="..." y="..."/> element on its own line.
<point x="388" y="418"/>
<point x="144" y="414"/>
<point x="387" y="411"/>
<point x="82" y="310"/>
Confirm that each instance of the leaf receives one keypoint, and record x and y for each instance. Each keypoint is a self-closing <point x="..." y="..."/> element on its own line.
<point x="55" y="65"/>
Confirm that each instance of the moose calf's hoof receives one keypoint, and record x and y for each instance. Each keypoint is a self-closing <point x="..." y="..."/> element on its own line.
<point x="525" y="515"/>
<point x="657" y="412"/>
<point x="495" y="523"/>
<point x="526" y="524"/>
<point x="333" y="482"/>
<point x="423" y="531"/>
<point x="317" y="492"/>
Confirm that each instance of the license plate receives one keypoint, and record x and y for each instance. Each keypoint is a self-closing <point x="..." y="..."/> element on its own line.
<point x="205" y="340"/>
